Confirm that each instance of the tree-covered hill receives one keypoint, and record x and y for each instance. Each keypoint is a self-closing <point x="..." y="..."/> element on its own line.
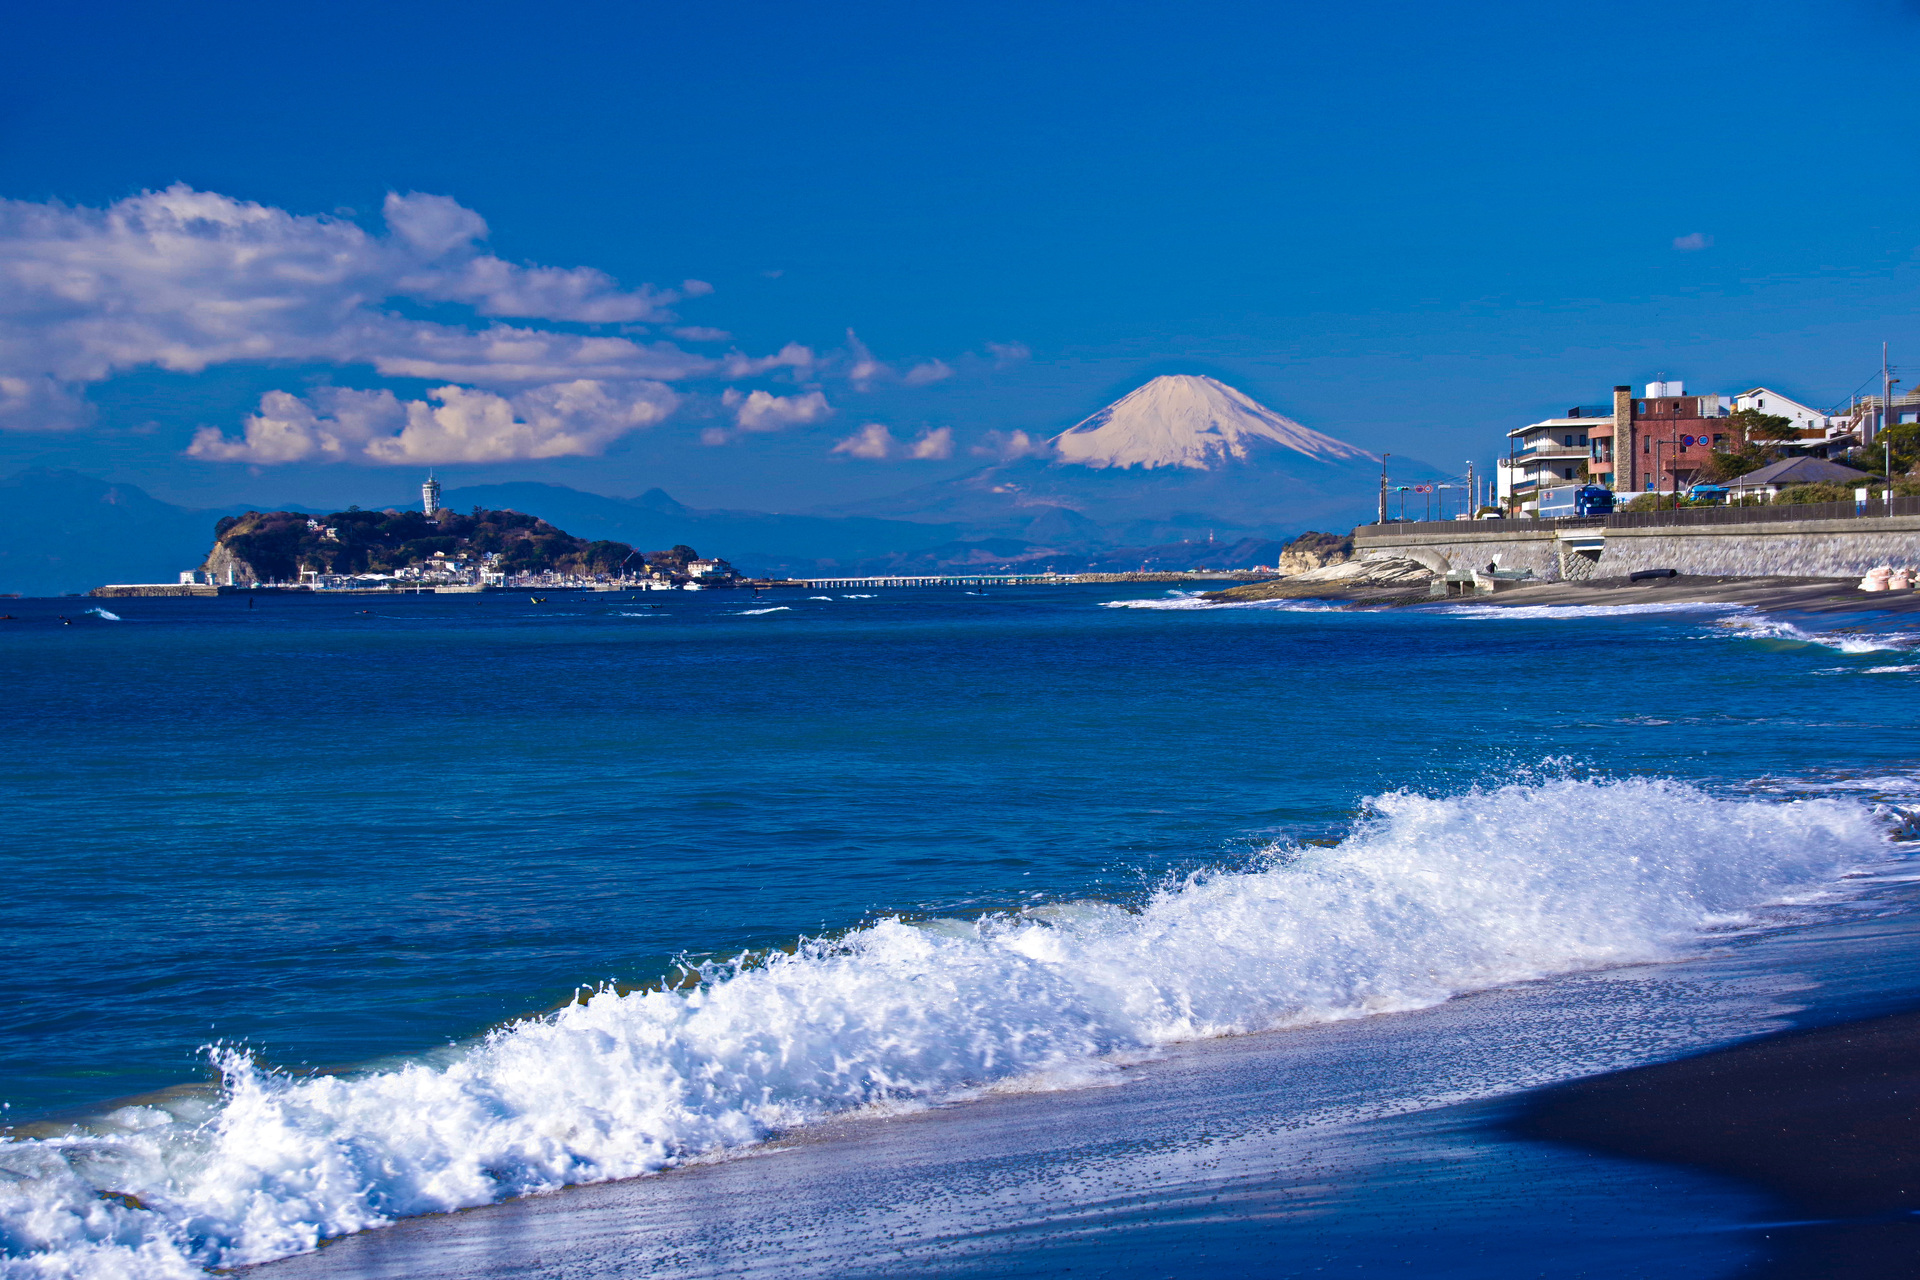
<point x="277" y="545"/>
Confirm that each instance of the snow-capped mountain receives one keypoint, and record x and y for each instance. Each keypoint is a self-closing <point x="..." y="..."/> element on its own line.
<point x="1181" y="457"/>
<point x="1185" y="420"/>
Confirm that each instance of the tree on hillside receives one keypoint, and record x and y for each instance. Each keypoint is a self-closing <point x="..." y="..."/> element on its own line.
<point x="1751" y="424"/>
<point x="1753" y="442"/>
<point x="674" y="559"/>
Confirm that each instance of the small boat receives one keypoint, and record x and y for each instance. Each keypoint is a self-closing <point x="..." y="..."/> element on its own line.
<point x="537" y="599"/>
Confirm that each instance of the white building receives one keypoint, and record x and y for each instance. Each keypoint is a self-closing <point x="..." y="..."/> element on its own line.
<point x="1544" y="455"/>
<point x="1767" y="400"/>
<point x="430" y="494"/>
<point x="699" y="569"/>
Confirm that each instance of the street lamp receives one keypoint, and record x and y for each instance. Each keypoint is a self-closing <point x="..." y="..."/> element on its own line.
<point x="1383" y="486"/>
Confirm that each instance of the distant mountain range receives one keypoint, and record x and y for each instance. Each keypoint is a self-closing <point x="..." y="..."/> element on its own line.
<point x="1183" y="472"/>
<point x="62" y="532"/>
<point x="1182" y="458"/>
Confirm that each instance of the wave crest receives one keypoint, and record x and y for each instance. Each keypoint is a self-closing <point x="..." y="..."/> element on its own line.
<point x="1427" y="898"/>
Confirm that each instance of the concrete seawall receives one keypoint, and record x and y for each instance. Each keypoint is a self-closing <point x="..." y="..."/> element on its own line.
<point x="1809" y="548"/>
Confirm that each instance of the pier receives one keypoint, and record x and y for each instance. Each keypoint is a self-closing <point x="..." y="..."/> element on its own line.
<point x="1022" y="579"/>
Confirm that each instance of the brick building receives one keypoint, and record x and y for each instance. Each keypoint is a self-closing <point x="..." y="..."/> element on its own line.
<point x="1636" y="443"/>
<point x="1660" y="440"/>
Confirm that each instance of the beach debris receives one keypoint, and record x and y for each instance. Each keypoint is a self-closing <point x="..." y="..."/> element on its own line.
<point x="1877" y="578"/>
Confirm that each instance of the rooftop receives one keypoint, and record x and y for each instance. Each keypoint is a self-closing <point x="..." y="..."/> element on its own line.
<point x="1799" y="471"/>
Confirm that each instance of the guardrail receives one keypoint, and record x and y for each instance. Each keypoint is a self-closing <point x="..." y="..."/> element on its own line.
<point x="1766" y="513"/>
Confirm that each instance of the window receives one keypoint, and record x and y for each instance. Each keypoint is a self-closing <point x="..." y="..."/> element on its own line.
<point x="1568" y="441"/>
<point x="1567" y="472"/>
<point x="1718" y="440"/>
<point x="1583" y="438"/>
<point x="1646" y="446"/>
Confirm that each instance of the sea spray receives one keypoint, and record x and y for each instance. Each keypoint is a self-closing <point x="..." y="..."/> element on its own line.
<point x="1426" y="898"/>
<point x="1851" y="641"/>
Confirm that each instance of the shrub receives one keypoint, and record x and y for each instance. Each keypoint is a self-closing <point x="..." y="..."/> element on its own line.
<point x="1815" y="493"/>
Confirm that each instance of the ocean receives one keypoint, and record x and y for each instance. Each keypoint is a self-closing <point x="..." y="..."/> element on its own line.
<point x="1007" y="929"/>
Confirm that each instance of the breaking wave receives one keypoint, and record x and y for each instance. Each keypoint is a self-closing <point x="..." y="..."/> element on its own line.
<point x="1180" y="600"/>
<point x="1568" y="611"/>
<point x="1426" y="898"/>
<point x="1853" y="642"/>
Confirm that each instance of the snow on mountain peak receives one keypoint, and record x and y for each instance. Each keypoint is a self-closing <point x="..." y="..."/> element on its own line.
<point x="1185" y="420"/>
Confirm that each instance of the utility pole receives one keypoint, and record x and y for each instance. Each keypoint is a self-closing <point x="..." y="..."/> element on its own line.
<point x="1886" y="392"/>
<point x="1511" y="482"/>
<point x="1473" y="493"/>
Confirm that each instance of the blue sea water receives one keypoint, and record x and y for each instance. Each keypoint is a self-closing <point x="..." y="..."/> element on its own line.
<point x="286" y="871"/>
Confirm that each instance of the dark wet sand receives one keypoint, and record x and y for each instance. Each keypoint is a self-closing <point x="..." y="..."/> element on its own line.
<point x="1827" y="1119"/>
<point x="1773" y="595"/>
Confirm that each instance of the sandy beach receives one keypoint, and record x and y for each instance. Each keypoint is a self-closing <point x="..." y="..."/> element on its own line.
<point x="1827" y="1119"/>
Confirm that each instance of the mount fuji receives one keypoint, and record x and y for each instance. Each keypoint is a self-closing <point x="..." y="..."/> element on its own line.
<point x="1180" y="457"/>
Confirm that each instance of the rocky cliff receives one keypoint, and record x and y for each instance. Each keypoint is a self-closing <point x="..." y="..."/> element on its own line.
<point x="1312" y="550"/>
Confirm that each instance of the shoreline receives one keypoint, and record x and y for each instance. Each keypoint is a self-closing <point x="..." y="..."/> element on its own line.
<point x="1776" y="594"/>
<point x="1826" y="1119"/>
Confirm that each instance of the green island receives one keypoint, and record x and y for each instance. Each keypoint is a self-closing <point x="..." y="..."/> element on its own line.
<point x="393" y="548"/>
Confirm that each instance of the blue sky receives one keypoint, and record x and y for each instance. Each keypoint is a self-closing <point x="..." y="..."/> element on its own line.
<point x="1410" y="226"/>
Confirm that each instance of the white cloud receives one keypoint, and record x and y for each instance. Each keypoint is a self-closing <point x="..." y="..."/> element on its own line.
<point x="40" y="403"/>
<point x="927" y="373"/>
<point x="1007" y="446"/>
<point x="872" y="441"/>
<point x="570" y="419"/>
<point x="864" y="368"/>
<point x="1693" y="242"/>
<point x="183" y="280"/>
<point x="875" y="443"/>
<point x="934" y="444"/>
<point x="764" y="411"/>
<point x="1006" y="353"/>
<point x="792" y="356"/>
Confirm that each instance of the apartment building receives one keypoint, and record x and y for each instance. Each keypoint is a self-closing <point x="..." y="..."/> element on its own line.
<point x="1635" y="443"/>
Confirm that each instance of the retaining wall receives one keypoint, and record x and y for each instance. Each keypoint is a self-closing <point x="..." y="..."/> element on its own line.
<point x="1807" y="548"/>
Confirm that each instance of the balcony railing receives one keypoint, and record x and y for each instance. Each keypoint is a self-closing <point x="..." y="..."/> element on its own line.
<point x="1541" y="453"/>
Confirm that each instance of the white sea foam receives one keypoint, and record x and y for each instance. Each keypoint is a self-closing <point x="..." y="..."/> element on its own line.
<point x="102" y="613"/>
<point x="857" y="597"/>
<point x="1180" y="600"/>
<point x="748" y="613"/>
<point x="826" y="598"/>
<point x="1532" y="611"/>
<point x="1427" y="898"/>
<point x="1841" y="641"/>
